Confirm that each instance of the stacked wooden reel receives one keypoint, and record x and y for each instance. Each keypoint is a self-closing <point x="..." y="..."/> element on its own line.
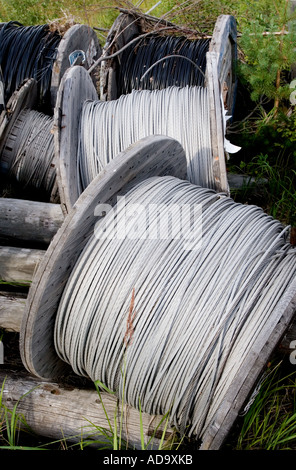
<point x="220" y="76"/>
<point x="62" y="227"/>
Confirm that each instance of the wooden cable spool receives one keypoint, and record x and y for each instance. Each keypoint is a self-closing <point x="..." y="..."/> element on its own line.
<point x="11" y="123"/>
<point x="144" y="159"/>
<point x="152" y="156"/>
<point x="78" y="37"/>
<point x="220" y="77"/>
<point x="76" y="87"/>
<point x="33" y="317"/>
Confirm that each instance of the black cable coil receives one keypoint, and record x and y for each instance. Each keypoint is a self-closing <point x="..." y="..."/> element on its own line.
<point x="28" y="52"/>
<point x="170" y="71"/>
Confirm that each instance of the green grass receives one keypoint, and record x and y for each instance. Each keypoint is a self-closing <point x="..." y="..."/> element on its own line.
<point x="10" y="424"/>
<point x="277" y="186"/>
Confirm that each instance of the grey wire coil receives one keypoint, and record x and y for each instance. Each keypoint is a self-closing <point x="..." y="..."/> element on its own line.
<point x="196" y="313"/>
<point x="107" y="128"/>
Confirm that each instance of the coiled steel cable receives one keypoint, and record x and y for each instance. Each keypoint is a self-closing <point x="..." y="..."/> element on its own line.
<point x="196" y="313"/>
<point x="28" y="52"/>
<point x="109" y="127"/>
<point x="29" y="148"/>
<point x="170" y="69"/>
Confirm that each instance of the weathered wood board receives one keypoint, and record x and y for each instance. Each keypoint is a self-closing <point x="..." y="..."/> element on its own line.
<point x="121" y="32"/>
<point x="59" y="411"/>
<point x="12" y="309"/>
<point x="224" y="44"/>
<point x="17" y="265"/>
<point x="29" y="220"/>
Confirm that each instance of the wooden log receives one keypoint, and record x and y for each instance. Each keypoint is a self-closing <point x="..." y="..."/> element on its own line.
<point x="59" y="411"/>
<point x="11" y="311"/>
<point x="17" y="265"/>
<point x="29" y="220"/>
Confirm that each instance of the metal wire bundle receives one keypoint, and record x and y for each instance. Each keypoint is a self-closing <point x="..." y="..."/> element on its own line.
<point x="32" y="152"/>
<point x="28" y="52"/>
<point x="158" y="62"/>
<point x="107" y="128"/>
<point x="165" y="324"/>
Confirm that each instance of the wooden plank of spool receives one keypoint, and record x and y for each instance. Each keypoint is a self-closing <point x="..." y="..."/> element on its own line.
<point x="58" y="411"/>
<point x="152" y="156"/>
<point x="221" y="82"/>
<point x="29" y="220"/>
<point x="75" y="88"/>
<point x="78" y="37"/>
<point x="23" y="98"/>
<point x="17" y="265"/>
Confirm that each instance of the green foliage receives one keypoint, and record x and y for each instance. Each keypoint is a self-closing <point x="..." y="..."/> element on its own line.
<point x="267" y="57"/>
<point x="279" y="192"/>
<point x="10" y="423"/>
<point x="30" y="12"/>
<point x="270" y="423"/>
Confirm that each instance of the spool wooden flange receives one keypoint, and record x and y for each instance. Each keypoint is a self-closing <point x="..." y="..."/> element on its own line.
<point x="76" y="87"/>
<point x="152" y="156"/>
<point x="78" y="37"/>
<point x="23" y="98"/>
